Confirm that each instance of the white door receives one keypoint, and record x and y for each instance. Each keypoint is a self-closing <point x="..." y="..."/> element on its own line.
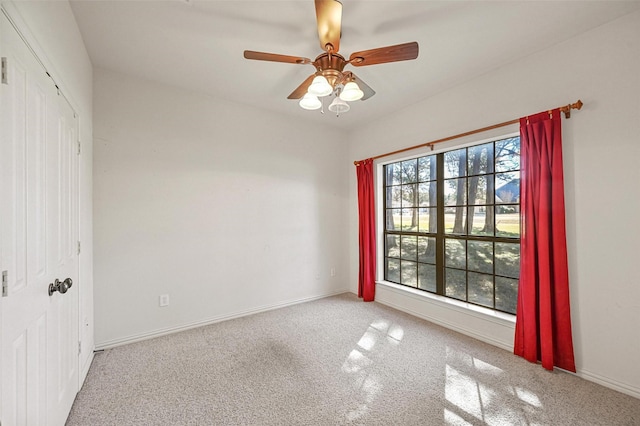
<point x="38" y="193"/>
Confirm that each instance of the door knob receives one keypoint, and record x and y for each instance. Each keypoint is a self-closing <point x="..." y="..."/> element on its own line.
<point x="61" y="286"/>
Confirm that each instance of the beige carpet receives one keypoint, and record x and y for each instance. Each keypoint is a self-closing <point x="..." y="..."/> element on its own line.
<point x="330" y="362"/>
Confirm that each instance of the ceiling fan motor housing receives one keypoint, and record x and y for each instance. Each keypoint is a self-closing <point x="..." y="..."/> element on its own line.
<point x="331" y="66"/>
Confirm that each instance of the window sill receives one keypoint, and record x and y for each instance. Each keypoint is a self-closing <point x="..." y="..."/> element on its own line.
<point x="500" y="318"/>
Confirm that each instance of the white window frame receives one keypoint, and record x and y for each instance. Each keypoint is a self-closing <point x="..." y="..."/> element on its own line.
<point x="448" y="303"/>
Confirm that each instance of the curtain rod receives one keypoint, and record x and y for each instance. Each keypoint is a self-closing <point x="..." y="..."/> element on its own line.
<point x="565" y="109"/>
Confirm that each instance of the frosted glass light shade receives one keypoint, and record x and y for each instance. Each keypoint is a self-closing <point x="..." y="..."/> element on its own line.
<point x="320" y="86"/>
<point x="339" y="106"/>
<point x="351" y="92"/>
<point x="310" y="102"/>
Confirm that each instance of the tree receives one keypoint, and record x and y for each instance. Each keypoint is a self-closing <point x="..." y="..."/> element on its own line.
<point x="410" y="189"/>
<point x="433" y="193"/>
<point x="459" y="227"/>
<point x="433" y="196"/>
<point x="476" y="158"/>
<point x="489" y="218"/>
<point x="389" y="171"/>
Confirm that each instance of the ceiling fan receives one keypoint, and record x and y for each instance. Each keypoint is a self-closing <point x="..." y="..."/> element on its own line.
<point x="330" y="77"/>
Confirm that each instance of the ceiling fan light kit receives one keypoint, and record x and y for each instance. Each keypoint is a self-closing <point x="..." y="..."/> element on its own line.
<point x="339" y="106"/>
<point x="320" y="86"/>
<point x="310" y="102"/>
<point x="330" y="77"/>
<point x="351" y="92"/>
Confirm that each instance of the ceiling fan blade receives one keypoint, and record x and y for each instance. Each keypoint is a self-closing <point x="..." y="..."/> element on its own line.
<point x="381" y="55"/>
<point x="329" y="16"/>
<point x="302" y="89"/>
<point x="368" y="91"/>
<point x="262" y="56"/>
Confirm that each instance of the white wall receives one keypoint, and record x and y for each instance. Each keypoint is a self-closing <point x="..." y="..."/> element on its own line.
<point x="51" y="30"/>
<point x="226" y="208"/>
<point x="601" y="151"/>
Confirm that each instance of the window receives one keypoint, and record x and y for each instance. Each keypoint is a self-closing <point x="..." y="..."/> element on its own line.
<point x="452" y="223"/>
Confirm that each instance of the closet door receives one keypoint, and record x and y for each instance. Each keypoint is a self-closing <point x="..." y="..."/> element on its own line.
<point x="39" y="187"/>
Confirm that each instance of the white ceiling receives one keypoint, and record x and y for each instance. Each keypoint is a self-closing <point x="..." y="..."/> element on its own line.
<point x="198" y="45"/>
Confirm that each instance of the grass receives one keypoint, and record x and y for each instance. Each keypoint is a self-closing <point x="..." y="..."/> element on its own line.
<point x="507" y="225"/>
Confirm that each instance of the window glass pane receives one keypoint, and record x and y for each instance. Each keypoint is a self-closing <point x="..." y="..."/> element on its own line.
<point x="394" y="196"/>
<point x="427" y="250"/>
<point x="393" y="174"/>
<point x="508" y="187"/>
<point x="409" y="273"/>
<point x="393" y="219"/>
<point x="481" y="289"/>
<point x="455" y="284"/>
<point x="409" y="247"/>
<point x="427" y="277"/>
<point x="480" y="256"/>
<point x="480" y="159"/>
<point x="455" y="163"/>
<point x="506" y="294"/>
<point x="409" y="171"/>
<point x="478" y="190"/>
<point x="393" y="246"/>
<point x="455" y="220"/>
<point x="410" y="220"/>
<point x="427" y="168"/>
<point x="428" y="195"/>
<point x="508" y="259"/>
<point x="508" y="154"/>
<point x="455" y="253"/>
<point x="480" y="220"/>
<point x="409" y="195"/>
<point x="427" y="220"/>
<point x="393" y="270"/>
<point x="508" y="221"/>
<point x="455" y="192"/>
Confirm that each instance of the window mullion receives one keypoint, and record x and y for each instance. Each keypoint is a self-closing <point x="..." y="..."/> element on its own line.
<point x="440" y="228"/>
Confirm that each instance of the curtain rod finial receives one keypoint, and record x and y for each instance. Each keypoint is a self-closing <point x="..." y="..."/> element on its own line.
<point x="567" y="109"/>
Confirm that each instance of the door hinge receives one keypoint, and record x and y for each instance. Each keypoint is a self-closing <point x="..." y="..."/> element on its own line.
<point x="3" y="73"/>
<point x="79" y="351"/>
<point x="5" y="284"/>
<point x="78" y="247"/>
<point x="78" y="146"/>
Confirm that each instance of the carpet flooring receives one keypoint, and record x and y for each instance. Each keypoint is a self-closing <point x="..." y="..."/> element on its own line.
<point x="334" y="361"/>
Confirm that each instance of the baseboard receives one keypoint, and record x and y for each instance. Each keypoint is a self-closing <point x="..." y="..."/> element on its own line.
<point x="445" y="324"/>
<point x="609" y="383"/>
<point x="170" y="330"/>
<point x="585" y="374"/>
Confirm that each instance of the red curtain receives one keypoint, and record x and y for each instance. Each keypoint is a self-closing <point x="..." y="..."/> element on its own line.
<point x="543" y="319"/>
<point x="367" y="231"/>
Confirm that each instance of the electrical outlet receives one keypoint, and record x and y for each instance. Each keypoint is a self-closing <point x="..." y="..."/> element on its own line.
<point x="333" y="272"/>
<point x="164" y="300"/>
